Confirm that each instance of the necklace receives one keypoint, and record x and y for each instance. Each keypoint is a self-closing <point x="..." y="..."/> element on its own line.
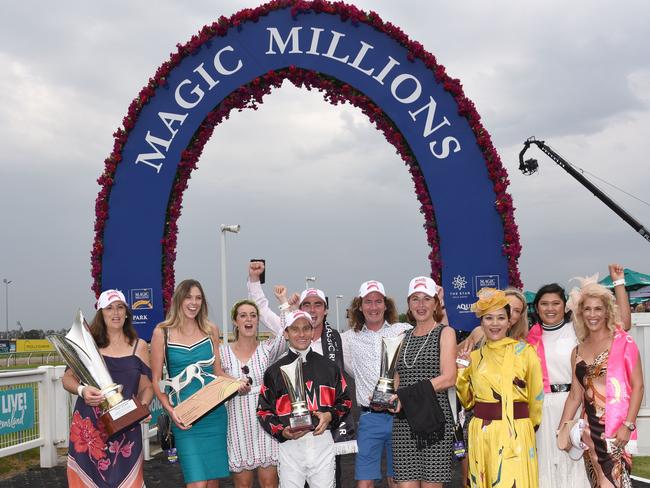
<point x="408" y="341"/>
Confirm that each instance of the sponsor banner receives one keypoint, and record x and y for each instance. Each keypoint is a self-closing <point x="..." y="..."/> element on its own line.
<point x="425" y="113"/>
<point x="460" y="295"/>
<point x="155" y="409"/>
<point x="141" y="298"/>
<point x="142" y="306"/>
<point x="7" y="346"/>
<point x="486" y="281"/>
<point x="16" y="410"/>
<point x="33" y="345"/>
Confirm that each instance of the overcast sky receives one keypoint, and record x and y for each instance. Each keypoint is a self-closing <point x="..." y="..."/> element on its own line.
<point x="575" y="74"/>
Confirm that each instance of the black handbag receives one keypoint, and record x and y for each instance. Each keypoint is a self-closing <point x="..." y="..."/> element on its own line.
<point x="165" y="435"/>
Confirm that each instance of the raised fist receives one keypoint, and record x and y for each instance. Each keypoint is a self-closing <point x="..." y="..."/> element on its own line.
<point x="255" y="269"/>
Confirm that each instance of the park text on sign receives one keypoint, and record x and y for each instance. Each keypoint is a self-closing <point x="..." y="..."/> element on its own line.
<point x="16" y="410"/>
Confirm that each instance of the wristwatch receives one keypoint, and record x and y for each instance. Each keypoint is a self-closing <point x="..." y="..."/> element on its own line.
<point x="630" y="425"/>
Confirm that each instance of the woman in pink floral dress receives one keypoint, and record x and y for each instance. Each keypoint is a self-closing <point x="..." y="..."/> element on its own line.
<point x="94" y="459"/>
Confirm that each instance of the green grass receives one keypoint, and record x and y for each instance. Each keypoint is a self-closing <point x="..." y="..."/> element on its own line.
<point x="19" y="360"/>
<point x="19" y="462"/>
<point x="641" y="466"/>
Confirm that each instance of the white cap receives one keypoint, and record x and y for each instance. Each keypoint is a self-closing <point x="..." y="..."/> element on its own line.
<point x="577" y="446"/>
<point x="109" y="296"/>
<point x="571" y="438"/>
<point x="312" y="292"/>
<point x="370" y="286"/>
<point x="291" y="317"/>
<point x="424" y="284"/>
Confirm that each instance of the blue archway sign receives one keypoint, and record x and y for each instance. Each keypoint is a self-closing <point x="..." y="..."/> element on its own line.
<point x="444" y="144"/>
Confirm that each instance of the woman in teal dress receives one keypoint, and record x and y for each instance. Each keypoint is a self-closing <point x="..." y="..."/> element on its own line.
<point x="192" y="340"/>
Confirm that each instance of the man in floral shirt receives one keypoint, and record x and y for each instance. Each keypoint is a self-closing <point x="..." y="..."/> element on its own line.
<point x="305" y="456"/>
<point x="372" y="317"/>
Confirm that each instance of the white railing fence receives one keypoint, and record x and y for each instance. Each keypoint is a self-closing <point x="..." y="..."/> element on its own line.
<point x="36" y="411"/>
<point x="641" y="333"/>
<point x="33" y="412"/>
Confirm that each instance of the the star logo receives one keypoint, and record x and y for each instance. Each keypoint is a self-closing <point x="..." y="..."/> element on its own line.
<point x="459" y="282"/>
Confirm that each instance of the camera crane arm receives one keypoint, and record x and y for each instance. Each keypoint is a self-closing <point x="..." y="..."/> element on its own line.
<point x="530" y="166"/>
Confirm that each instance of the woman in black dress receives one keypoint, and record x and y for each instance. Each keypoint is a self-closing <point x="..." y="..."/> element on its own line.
<point x="427" y="356"/>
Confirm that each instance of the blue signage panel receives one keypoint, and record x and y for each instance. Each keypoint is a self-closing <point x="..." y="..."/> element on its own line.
<point x="469" y="227"/>
<point x="16" y="410"/>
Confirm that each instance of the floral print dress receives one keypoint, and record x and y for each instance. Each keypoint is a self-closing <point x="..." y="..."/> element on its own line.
<point x="96" y="460"/>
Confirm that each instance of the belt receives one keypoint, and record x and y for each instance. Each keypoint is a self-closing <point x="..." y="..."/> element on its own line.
<point x="492" y="411"/>
<point x="560" y="388"/>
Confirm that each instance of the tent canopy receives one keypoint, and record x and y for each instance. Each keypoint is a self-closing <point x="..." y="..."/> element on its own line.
<point x="633" y="280"/>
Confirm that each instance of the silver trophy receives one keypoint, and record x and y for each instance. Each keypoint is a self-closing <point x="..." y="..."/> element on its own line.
<point x="385" y="389"/>
<point x="79" y="351"/>
<point x="300" y="416"/>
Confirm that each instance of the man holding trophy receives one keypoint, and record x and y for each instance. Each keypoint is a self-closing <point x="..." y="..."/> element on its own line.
<point x="109" y="371"/>
<point x="370" y="349"/>
<point x="326" y="341"/>
<point x="303" y="398"/>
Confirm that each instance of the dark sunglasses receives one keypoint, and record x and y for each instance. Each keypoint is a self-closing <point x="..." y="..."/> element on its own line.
<point x="245" y="371"/>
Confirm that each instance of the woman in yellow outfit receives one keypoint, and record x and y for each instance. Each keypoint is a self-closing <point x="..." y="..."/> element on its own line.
<point x="502" y="382"/>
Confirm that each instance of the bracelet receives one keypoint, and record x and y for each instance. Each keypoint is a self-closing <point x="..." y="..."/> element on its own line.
<point x="80" y="389"/>
<point x="618" y="282"/>
<point x="284" y="306"/>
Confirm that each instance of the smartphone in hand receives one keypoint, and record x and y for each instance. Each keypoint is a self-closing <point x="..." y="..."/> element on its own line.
<point x="263" y="275"/>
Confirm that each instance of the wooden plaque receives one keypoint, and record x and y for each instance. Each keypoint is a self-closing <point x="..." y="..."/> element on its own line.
<point x="211" y="395"/>
<point x="123" y="415"/>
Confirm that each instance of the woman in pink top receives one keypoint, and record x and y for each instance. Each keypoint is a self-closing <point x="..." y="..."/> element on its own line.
<point x="608" y="381"/>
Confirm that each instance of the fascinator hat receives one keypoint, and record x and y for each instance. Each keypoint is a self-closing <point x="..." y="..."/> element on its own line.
<point x="489" y="300"/>
<point x="587" y="286"/>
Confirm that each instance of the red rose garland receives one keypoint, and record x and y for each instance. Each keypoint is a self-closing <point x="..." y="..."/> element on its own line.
<point x="335" y="92"/>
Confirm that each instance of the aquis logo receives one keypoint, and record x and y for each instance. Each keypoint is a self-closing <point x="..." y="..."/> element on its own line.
<point x="141" y="299"/>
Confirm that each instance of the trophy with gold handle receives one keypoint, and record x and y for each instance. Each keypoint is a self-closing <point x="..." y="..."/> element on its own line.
<point x="385" y="388"/>
<point x="300" y="418"/>
<point x="80" y="352"/>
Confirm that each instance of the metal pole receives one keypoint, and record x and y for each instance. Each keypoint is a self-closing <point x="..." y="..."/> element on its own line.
<point x="338" y="328"/>
<point x="597" y="192"/>
<point x="338" y="297"/>
<point x="7" y="282"/>
<point x="224" y="294"/>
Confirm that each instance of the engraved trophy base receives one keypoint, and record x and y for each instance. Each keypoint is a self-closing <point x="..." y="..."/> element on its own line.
<point x="211" y="395"/>
<point x="382" y="399"/>
<point x="301" y="422"/>
<point x="123" y="415"/>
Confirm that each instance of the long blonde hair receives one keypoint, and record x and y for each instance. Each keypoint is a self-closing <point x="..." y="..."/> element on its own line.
<point x="593" y="290"/>
<point x="174" y="318"/>
<point x="519" y="330"/>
